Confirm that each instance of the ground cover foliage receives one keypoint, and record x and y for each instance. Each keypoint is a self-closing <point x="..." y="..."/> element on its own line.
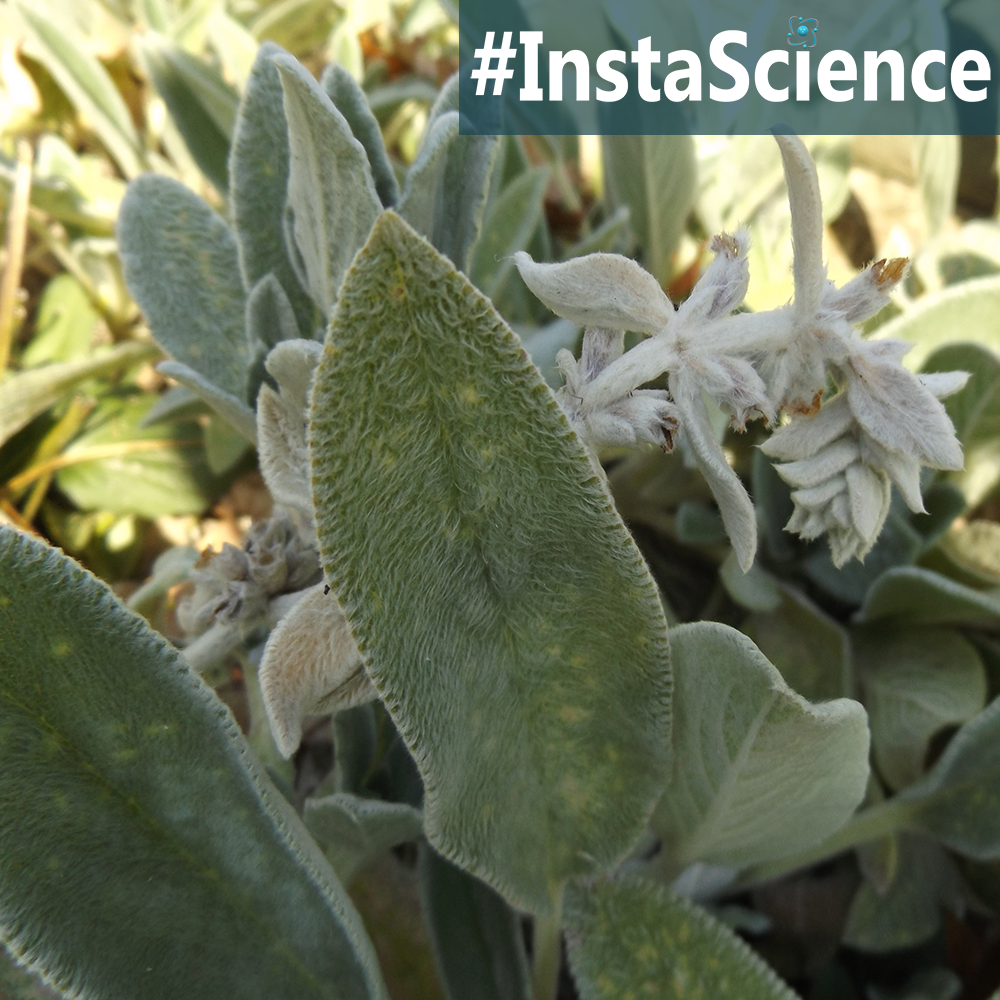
<point x="490" y="696"/>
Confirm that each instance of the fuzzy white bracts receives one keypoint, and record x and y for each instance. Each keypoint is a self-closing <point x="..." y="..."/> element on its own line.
<point x="842" y="455"/>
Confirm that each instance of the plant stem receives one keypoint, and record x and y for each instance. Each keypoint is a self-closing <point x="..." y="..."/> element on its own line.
<point x="879" y="821"/>
<point x="547" y="952"/>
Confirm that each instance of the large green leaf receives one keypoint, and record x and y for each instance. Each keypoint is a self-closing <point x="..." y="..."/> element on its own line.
<point x="504" y="613"/>
<point x="201" y="103"/>
<point x="758" y="772"/>
<point x="921" y="596"/>
<point x="87" y="84"/>
<point x="258" y="173"/>
<point x="332" y="202"/>
<point x="630" y="938"/>
<point x="975" y="412"/>
<point x="969" y="311"/>
<point x="181" y="266"/>
<point x="24" y="395"/>
<point x="142" y="850"/>
<point x="655" y="176"/>
<point x="476" y="936"/>
<point x="916" y="681"/>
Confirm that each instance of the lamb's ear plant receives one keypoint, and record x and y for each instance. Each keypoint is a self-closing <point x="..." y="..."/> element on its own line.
<point x="447" y="574"/>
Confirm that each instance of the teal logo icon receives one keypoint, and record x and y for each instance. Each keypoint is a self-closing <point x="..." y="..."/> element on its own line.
<point x="802" y="32"/>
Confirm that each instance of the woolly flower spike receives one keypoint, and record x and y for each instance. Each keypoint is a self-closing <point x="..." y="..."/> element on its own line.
<point x="886" y="425"/>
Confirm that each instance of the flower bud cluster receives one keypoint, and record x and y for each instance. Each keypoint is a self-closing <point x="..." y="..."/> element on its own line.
<point x="841" y="457"/>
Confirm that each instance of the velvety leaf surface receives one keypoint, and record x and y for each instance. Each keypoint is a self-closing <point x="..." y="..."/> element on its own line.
<point x="758" y="772"/>
<point x="504" y="613"/>
<point x="231" y="409"/>
<point x="476" y="936"/>
<point x="181" y="267"/>
<point x="332" y="201"/>
<point x="258" y="169"/>
<point x="970" y="311"/>
<point x="142" y="850"/>
<point x="920" y="595"/>
<point x="201" y="103"/>
<point x="634" y="938"/>
<point x="916" y="681"/>
<point x="349" y="99"/>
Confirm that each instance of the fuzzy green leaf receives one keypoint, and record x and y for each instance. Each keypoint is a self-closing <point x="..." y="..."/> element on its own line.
<point x="921" y="596"/>
<point x="632" y="938"/>
<point x="656" y="177"/>
<point x="353" y="831"/>
<point x="512" y="222"/>
<point x="148" y="855"/>
<point x="758" y="772"/>
<point x="916" y="681"/>
<point x="201" y="103"/>
<point x="504" y="613"/>
<point x="332" y="202"/>
<point x="258" y="172"/>
<point x="476" y="936"/>
<point x="349" y="99"/>
<point x="181" y="267"/>
<point x="231" y="409"/>
<point x="968" y="311"/>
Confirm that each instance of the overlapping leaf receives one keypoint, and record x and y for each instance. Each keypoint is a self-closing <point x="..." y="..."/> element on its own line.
<point x="504" y="613"/>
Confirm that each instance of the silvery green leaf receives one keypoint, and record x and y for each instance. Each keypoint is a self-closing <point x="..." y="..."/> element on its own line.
<point x="475" y="935"/>
<point x="142" y="810"/>
<point x="228" y="407"/>
<point x="916" y="681"/>
<point x="201" y="103"/>
<point x="331" y="194"/>
<point x="970" y="309"/>
<point x="353" y="831"/>
<point x="655" y="177"/>
<point x="758" y="772"/>
<point x="434" y="493"/>
<point x="270" y="321"/>
<point x="919" y="595"/>
<point x="349" y="99"/>
<point x="936" y="159"/>
<point x="281" y="423"/>
<point x="258" y="170"/>
<point x="605" y="238"/>
<point x="424" y="192"/>
<point x="909" y="911"/>
<point x="811" y="650"/>
<point x="509" y="227"/>
<point x="602" y="289"/>
<point x="629" y="937"/>
<point x="180" y="264"/>
<point x="311" y="666"/>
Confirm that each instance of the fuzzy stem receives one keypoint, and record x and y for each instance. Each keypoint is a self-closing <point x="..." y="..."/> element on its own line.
<point x="547" y="952"/>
